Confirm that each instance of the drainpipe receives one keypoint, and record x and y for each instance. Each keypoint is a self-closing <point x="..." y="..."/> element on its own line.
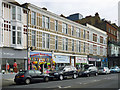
<point x="27" y="40"/>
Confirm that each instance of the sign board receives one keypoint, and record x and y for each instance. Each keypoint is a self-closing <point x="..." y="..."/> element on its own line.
<point x="81" y="60"/>
<point x="61" y="59"/>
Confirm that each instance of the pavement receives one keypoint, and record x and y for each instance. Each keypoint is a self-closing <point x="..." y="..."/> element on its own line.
<point x="7" y="79"/>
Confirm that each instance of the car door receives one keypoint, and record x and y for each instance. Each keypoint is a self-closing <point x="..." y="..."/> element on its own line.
<point x="38" y="75"/>
<point x="32" y="74"/>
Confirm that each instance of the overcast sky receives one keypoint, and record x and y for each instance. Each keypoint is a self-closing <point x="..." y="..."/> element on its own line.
<point x="107" y="9"/>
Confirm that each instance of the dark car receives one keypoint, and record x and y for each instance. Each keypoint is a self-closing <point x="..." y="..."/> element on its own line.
<point x="29" y="76"/>
<point x="64" y="72"/>
<point x="88" y="71"/>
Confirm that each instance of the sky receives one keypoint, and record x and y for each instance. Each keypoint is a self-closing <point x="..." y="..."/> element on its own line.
<point x="107" y="9"/>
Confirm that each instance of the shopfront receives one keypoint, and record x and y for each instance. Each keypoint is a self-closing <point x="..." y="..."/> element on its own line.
<point x="40" y="61"/>
<point x="13" y="60"/>
<point x="61" y="60"/>
<point x="80" y="61"/>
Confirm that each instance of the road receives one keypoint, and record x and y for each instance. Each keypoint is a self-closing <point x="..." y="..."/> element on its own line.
<point x="100" y="81"/>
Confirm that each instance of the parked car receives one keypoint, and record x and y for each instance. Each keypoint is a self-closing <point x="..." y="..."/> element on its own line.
<point x="103" y="70"/>
<point x="29" y="76"/>
<point x="88" y="71"/>
<point x="115" y="69"/>
<point x="64" y="72"/>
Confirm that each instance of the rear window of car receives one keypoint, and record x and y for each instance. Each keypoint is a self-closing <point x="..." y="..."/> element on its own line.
<point x="100" y="68"/>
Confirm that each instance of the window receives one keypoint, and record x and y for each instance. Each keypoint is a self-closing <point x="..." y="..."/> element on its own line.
<point x="79" y="46"/>
<point x="95" y="37"/>
<point x="65" y="44"/>
<point x="56" y="25"/>
<point x="45" y="22"/>
<point x="2" y="33"/>
<point x="72" y="45"/>
<point x="84" y="34"/>
<point x="64" y="28"/>
<point x="84" y="46"/>
<point x="72" y="30"/>
<point x="33" y="38"/>
<point x="77" y="32"/>
<point x="13" y="35"/>
<point x="13" y="13"/>
<point x="101" y="39"/>
<point x="56" y="42"/>
<point x="33" y="18"/>
<point x="76" y="46"/>
<point x="19" y="35"/>
<point x="45" y="40"/>
<point x="88" y="35"/>
<point x="19" y="14"/>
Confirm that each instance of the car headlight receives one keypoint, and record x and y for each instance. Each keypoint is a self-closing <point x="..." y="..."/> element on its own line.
<point x="55" y="73"/>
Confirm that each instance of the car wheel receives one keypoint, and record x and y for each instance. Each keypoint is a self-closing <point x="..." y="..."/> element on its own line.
<point x="96" y="74"/>
<point x="46" y="79"/>
<point x="27" y="81"/>
<point x="74" y="76"/>
<point x="61" y="77"/>
<point x="88" y="75"/>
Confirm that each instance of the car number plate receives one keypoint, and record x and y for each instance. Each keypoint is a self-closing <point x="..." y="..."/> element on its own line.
<point x="17" y="76"/>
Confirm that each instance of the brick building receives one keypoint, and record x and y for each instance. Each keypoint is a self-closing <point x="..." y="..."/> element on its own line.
<point x="112" y="32"/>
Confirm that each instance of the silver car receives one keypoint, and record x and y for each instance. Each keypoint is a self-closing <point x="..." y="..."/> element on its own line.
<point x="103" y="70"/>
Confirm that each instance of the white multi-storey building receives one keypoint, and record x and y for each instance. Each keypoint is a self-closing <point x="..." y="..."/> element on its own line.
<point x="13" y="37"/>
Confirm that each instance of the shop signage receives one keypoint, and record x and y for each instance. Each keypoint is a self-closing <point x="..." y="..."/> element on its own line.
<point x="81" y="60"/>
<point x="38" y="54"/>
<point x="91" y="59"/>
<point x="61" y="59"/>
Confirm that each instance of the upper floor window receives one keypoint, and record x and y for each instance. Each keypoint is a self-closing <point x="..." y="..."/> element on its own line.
<point x="72" y="30"/>
<point x="64" y="28"/>
<point x="13" y="12"/>
<point x="95" y="37"/>
<point x="19" y="14"/>
<point x="77" y="32"/>
<point x="45" y="22"/>
<point x="13" y="34"/>
<point x="65" y="44"/>
<point x="88" y="35"/>
<point x="45" y="40"/>
<point x="101" y="39"/>
<point x="84" y="34"/>
<point x="33" y="38"/>
<point x="72" y="45"/>
<point x="19" y="35"/>
<point x="84" y="47"/>
<point x="56" y="25"/>
<point x="33" y="18"/>
<point x="56" y="42"/>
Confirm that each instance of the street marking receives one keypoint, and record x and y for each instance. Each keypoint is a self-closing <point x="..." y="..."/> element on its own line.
<point x="67" y="87"/>
<point x="59" y="87"/>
